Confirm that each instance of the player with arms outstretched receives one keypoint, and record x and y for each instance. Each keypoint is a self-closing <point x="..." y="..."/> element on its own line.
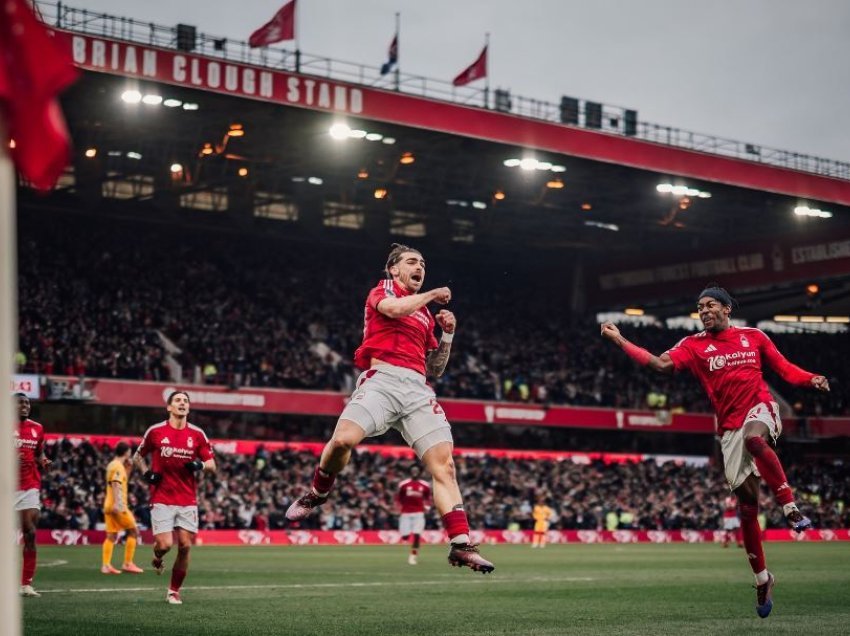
<point x="413" y="497"/>
<point x="728" y="363"/>
<point x="398" y="351"/>
<point x="177" y="450"/>
<point x="117" y="514"/>
<point x="29" y="443"/>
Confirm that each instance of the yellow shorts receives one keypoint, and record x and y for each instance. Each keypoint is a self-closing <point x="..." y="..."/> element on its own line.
<point x="116" y="522"/>
<point x="540" y="526"/>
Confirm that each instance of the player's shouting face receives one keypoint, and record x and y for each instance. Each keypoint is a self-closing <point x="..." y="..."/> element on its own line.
<point x="23" y="407"/>
<point x="409" y="271"/>
<point x="713" y="314"/>
<point x="178" y="404"/>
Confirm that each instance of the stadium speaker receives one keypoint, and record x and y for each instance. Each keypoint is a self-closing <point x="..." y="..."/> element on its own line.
<point x="569" y="110"/>
<point x="187" y="37"/>
<point x="630" y="122"/>
<point x="502" y="100"/>
<point x="593" y="114"/>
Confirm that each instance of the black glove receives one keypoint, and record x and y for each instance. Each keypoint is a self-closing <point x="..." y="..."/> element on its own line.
<point x="152" y="477"/>
<point x="195" y="465"/>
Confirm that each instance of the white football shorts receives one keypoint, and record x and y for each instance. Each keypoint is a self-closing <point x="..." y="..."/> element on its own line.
<point x="411" y="523"/>
<point x="165" y="518"/>
<point x="738" y="464"/>
<point x="27" y="499"/>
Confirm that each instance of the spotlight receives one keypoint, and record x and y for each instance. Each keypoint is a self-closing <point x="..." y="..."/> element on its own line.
<point x="586" y="207"/>
<point x="407" y="158"/>
<point x="374" y="137"/>
<point x="176" y="167"/>
<point x="528" y="163"/>
<point x="91" y="153"/>
<point x="207" y="149"/>
<point x="236" y="130"/>
<point x="131" y="96"/>
<point x="388" y="140"/>
<point x="152" y="100"/>
<point x="363" y="173"/>
<point x="499" y="195"/>
<point x="172" y="103"/>
<point x="339" y="131"/>
<point x="190" y="106"/>
<point x="242" y="172"/>
<point x="380" y="193"/>
<point x="555" y="184"/>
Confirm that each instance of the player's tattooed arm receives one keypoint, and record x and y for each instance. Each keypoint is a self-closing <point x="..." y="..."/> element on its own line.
<point x="140" y="463"/>
<point x="438" y="359"/>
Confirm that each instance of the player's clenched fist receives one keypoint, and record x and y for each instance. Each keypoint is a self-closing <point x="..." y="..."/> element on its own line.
<point x="442" y="295"/>
<point x="820" y="383"/>
<point x="446" y="320"/>
<point x="609" y="330"/>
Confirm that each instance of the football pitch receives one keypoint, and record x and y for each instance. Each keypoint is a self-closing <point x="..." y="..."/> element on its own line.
<point x="564" y="589"/>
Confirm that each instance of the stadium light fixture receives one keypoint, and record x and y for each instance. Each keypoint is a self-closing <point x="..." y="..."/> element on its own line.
<point x="176" y="168"/>
<point x="190" y="106"/>
<point x="544" y="165"/>
<point x="339" y="131"/>
<point x="784" y="318"/>
<point x="374" y="136"/>
<point x="529" y="163"/>
<point x="812" y="289"/>
<point x="131" y="96"/>
<point x="134" y="155"/>
<point x="380" y="193"/>
<point x="236" y="130"/>
<point x="407" y="158"/>
<point x="838" y="319"/>
<point x="479" y="205"/>
<point x="554" y="184"/>
<point x="91" y="153"/>
<point x="511" y="163"/>
<point x="634" y="311"/>
<point x="242" y="172"/>
<point x="357" y="134"/>
<point x="152" y="99"/>
<point x="558" y="169"/>
<point x="298" y="179"/>
<point x="388" y="140"/>
<point x="694" y="315"/>
<point x="207" y="149"/>
<point x="804" y="210"/>
<point x="586" y="207"/>
<point x="172" y="103"/>
<point x="315" y="181"/>
<point x="811" y="318"/>
<point x="603" y="226"/>
<point x="499" y="195"/>
<point x="681" y="190"/>
<point x="363" y="173"/>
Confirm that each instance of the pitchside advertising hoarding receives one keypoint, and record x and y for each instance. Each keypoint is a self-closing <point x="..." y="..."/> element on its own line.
<point x="29" y="385"/>
<point x="393" y="537"/>
<point x="142" y="62"/>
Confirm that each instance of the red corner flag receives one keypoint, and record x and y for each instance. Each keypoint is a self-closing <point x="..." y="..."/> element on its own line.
<point x="474" y="71"/>
<point x="34" y="69"/>
<point x="281" y="27"/>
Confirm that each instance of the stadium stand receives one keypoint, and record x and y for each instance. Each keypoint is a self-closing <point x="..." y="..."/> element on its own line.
<point x="253" y="491"/>
<point x="287" y="315"/>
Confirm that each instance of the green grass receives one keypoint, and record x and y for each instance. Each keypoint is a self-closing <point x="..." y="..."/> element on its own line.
<point x="570" y="589"/>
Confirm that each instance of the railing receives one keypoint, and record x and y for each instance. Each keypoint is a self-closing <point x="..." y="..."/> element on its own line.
<point x="612" y="122"/>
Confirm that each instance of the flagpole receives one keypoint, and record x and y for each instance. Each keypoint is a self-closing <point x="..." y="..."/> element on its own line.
<point x="10" y="607"/>
<point x="487" y="71"/>
<point x="295" y="12"/>
<point x="398" y="49"/>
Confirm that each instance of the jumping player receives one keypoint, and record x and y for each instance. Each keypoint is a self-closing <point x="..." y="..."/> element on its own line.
<point x="413" y="497"/>
<point x="398" y="351"/>
<point x="178" y="450"/>
<point x="117" y="514"/>
<point x="728" y="363"/>
<point x="29" y="442"/>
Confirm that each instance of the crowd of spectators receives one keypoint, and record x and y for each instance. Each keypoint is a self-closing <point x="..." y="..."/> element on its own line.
<point x="125" y="299"/>
<point x="254" y="491"/>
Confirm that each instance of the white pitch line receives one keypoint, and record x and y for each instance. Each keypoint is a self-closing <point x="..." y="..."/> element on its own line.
<point x="307" y="586"/>
<point x="52" y="564"/>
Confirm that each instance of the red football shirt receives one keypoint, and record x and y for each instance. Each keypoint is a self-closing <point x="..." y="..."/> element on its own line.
<point x="730" y="508"/>
<point x="169" y="449"/>
<point x="728" y="364"/>
<point x="399" y="341"/>
<point x="29" y="442"/>
<point x="413" y="495"/>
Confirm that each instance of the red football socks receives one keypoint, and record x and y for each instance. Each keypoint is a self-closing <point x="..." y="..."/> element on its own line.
<point x="322" y="482"/>
<point x="28" y="569"/>
<point x="177" y="577"/>
<point x="770" y="469"/>
<point x="752" y="536"/>
<point x="455" y="523"/>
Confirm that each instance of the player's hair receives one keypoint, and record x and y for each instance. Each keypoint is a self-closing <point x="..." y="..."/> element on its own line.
<point x="397" y="249"/>
<point x="174" y="394"/>
<point x="121" y="449"/>
<point x="714" y="290"/>
<point x="19" y="394"/>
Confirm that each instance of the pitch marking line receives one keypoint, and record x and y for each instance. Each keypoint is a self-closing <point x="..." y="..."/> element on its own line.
<point x="52" y="564"/>
<point x="308" y="586"/>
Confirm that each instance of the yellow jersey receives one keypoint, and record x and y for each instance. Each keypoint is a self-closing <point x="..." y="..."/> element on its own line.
<point x="541" y="514"/>
<point x="115" y="472"/>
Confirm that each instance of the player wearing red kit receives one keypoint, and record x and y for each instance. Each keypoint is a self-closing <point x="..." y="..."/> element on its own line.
<point x="731" y="522"/>
<point x="398" y="351"/>
<point x="29" y="442"/>
<point x="413" y="497"/>
<point x="177" y="451"/>
<point x="728" y="363"/>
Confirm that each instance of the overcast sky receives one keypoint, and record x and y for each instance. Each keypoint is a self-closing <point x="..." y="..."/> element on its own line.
<point x="771" y="72"/>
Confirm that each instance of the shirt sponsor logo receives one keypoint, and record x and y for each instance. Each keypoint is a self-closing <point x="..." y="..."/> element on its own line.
<point x="179" y="453"/>
<point x="731" y="359"/>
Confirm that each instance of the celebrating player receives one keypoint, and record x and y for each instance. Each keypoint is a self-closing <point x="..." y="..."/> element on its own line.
<point x="117" y="514"/>
<point x="542" y="515"/>
<point x="178" y="450"/>
<point x="731" y="522"/>
<point x="398" y="350"/>
<point x="413" y="496"/>
<point x="29" y="442"/>
<point x="728" y="363"/>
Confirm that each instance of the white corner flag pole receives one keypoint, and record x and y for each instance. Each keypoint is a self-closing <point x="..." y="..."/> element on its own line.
<point x="10" y="568"/>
